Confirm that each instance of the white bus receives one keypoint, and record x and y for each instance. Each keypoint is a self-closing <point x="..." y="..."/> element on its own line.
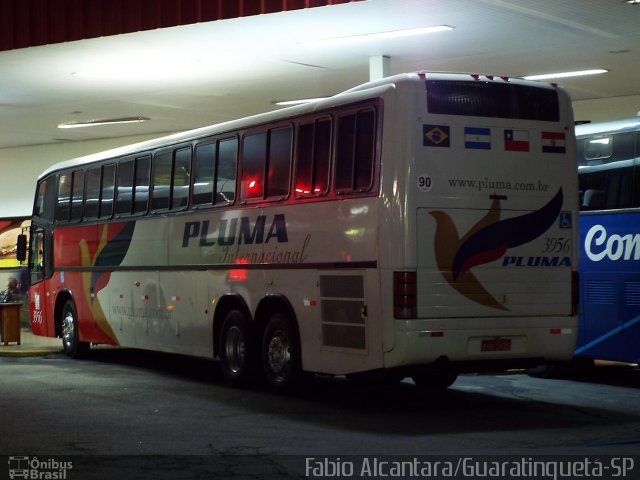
<point x="416" y="226"/>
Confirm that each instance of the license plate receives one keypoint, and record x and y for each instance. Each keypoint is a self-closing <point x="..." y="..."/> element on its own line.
<point x="495" y="345"/>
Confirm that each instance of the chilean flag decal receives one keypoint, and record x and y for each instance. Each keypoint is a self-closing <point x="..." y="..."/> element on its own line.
<point x="516" y="140"/>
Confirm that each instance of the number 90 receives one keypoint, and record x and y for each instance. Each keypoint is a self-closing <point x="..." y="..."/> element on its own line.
<point x="424" y="183"/>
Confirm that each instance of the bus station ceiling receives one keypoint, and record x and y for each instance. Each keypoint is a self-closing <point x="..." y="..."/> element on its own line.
<point x="194" y="75"/>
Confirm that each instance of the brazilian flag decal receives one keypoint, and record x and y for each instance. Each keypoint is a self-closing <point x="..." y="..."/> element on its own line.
<point x="436" y="136"/>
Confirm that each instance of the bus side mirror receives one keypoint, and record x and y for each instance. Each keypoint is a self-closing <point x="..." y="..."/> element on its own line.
<point x="21" y="253"/>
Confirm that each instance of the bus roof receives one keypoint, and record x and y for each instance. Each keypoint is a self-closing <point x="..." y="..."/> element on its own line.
<point x="360" y="92"/>
<point x="612" y="126"/>
<point x="221" y="128"/>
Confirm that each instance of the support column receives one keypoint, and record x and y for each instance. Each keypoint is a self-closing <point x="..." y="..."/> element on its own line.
<point x="378" y="67"/>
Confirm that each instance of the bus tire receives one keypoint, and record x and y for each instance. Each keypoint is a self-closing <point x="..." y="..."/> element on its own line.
<point x="236" y="349"/>
<point x="281" y="362"/>
<point x="71" y="343"/>
<point x="439" y="379"/>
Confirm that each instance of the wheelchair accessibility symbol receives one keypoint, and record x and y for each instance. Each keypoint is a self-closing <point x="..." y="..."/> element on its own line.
<point x="565" y="220"/>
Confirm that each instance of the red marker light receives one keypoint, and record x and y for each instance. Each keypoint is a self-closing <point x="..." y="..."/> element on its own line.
<point x="303" y="190"/>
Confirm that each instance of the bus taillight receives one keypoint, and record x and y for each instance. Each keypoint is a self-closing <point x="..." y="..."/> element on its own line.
<point x="405" y="293"/>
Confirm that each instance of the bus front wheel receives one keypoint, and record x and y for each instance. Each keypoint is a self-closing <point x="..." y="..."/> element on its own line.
<point x="236" y="349"/>
<point x="281" y="361"/>
<point x="71" y="343"/>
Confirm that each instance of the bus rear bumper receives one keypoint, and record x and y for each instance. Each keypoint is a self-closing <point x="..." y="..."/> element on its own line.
<point x="421" y="343"/>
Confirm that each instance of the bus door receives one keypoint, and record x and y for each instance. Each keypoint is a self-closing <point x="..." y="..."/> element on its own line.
<point x="40" y="260"/>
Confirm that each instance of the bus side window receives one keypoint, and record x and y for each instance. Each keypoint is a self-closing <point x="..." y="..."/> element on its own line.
<point x="141" y="186"/>
<point x="279" y="162"/>
<point x="365" y="150"/>
<point x="355" y="148"/>
<point x="92" y="193"/>
<point x="162" y="163"/>
<point x="124" y="189"/>
<point x="77" y="195"/>
<point x="107" y="190"/>
<point x="313" y="158"/>
<point x="38" y="207"/>
<point x="254" y="148"/>
<point x="266" y="164"/>
<point x="619" y="189"/>
<point x="203" y="171"/>
<point x="593" y="199"/>
<point x="44" y="206"/>
<point x="181" y="179"/>
<point x="214" y="171"/>
<point x="63" y="203"/>
<point x="225" y="179"/>
<point x="609" y="188"/>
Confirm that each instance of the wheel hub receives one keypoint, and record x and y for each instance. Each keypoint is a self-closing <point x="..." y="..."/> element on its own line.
<point x="68" y="328"/>
<point x="278" y="354"/>
<point x="235" y="349"/>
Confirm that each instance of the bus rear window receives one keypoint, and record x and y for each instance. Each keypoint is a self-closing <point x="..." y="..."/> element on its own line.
<point x="489" y="99"/>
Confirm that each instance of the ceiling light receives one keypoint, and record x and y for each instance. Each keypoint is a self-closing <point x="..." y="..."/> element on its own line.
<point x="579" y="73"/>
<point x="106" y="121"/>
<point x="633" y="2"/>
<point x="376" y="36"/>
<point x="297" y="102"/>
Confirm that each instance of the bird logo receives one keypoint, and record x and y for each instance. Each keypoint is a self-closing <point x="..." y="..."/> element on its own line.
<point x="487" y="241"/>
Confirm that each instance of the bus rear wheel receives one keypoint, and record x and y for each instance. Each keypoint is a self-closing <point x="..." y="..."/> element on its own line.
<point x="281" y="363"/>
<point x="236" y="349"/>
<point x="435" y="379"/>
<point x="71" y="343"/>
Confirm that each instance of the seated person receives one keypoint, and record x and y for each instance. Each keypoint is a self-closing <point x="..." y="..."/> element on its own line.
<point x="12" y="293"/>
